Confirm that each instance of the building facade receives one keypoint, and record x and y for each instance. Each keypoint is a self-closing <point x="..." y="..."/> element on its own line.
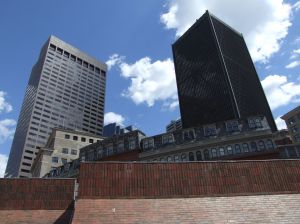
<point x="292" y="120"/>
<point x="174" y="125"/>
<point x="63" y="146"/>
<point x="125" y="147"/>
<point x="227" y="140"/>
<point x="112" y="129"/>
<point x="66" y="88"/>
<point x="216" y="78"/>
<point x="250" y="138"/>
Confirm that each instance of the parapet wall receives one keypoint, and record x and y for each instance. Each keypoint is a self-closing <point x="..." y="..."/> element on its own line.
<point x="191" y="179"/>
<point x="36" y="194"/>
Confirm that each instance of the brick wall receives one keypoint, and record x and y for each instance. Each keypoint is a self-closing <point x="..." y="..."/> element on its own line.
<point x="36" y="216"/>
<point x="191" y="179"/>
<point x="36" y="194"/>
<point x="282" y="208"/>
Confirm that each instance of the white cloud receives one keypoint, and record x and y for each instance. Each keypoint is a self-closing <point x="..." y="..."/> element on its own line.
<point x="295" y="54"/>
<point x="296" y="6"/>
<point x="280" y="91"/>
<point x="3" y="162"/>
<point x="268" y="67"/>
<point x="4" y="105"/>
<point x="264" y="23"/>
<point x="174" y="104"/>
<point x="113" y="60"/>
<point x="280" y="123"/>
<point x="150" y="81"/>
<point x="111" y="117"/>
<point x="7" y="129"/>
<point x="170" y="105"/>
<point x="293" y="64"/>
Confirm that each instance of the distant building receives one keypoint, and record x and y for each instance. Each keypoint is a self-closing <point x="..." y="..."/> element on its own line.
<point x="174" y="125"/>
<point x="116" y="129"/>
<point x="292" y="120"/>
<point x="216" y="78"/>
<point x="62" y="147"/>
<point x="66" y="88"/>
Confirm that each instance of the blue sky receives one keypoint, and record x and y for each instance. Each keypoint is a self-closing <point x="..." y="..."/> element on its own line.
<point x="134" y="37"/>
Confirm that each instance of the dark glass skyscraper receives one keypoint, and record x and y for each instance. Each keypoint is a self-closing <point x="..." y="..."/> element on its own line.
<point x="216" y="78"/>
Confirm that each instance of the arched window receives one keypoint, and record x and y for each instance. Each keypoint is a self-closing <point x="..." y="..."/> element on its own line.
<point x="253" y="146"/>
<point x="214" y="153"/>
<point x="261" y="145"/>
<point x="199" y="156"/>
<point x="229" y="150"/>
<point x="237" y="148"/>
<point x="191" y="156"/>
<point x="176" y="158"/>
<point x="206" y="154"/>
<point x="245" y="147"/>
<point x="222" y="151"/>
<point x="183" y="157"/>
<point x="169" y="159"/>
<point x="270" y="144"/>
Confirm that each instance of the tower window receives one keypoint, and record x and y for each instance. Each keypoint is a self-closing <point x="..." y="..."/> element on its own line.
<point x="52" y="47"/>
<point x="79" y="61"/>
<point x="59" y="50"/>
<point x="73" y="57"/>
<point x="85" y="64"/>
<point x="66" y="54"/>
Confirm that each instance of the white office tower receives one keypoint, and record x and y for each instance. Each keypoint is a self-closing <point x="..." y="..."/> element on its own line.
<point x="66" y="89"/>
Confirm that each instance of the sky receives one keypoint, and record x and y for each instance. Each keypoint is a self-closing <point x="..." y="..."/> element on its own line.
<point x="134" y="38"/>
